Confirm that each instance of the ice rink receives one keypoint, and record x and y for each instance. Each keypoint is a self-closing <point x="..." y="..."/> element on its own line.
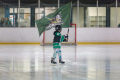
<point x="83" y="62"/>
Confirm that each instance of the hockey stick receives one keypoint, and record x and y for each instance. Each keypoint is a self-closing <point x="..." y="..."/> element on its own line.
<point x="67" y="33"/>
<point x="68" y="30"/>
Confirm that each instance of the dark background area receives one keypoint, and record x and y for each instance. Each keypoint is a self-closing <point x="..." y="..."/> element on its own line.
<point x="61" y="1"/>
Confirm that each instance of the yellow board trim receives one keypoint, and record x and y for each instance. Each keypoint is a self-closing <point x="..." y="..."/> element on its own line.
<point x="21" y="43"/>
<point x="98" y="43"/>
<point x="66" y="43"/>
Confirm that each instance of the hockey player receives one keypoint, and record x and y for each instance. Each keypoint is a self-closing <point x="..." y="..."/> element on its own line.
<point x="58" y="38"/>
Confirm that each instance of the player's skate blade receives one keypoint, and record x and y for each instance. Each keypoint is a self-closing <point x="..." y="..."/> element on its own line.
<point x="53" y="63"/>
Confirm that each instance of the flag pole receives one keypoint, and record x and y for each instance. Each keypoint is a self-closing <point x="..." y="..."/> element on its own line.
<point x="70" y="18"/>
<point x="71" y="10"/>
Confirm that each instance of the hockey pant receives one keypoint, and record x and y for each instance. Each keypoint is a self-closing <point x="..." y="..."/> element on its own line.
<point x="57" y="51"/>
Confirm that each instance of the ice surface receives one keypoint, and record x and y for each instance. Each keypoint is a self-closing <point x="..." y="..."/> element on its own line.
<point x="84" y="62"/>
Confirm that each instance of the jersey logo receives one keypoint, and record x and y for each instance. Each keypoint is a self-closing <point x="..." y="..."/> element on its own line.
<point x="58" y="33"/>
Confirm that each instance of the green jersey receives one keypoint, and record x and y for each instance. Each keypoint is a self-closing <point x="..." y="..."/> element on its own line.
<point x="58" y="38"/>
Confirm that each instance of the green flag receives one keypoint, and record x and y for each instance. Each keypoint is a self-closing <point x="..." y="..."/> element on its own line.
<point x="60" y="17"/>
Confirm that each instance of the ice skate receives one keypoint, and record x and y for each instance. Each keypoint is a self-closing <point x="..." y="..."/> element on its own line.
<point x="61" y="61"/>
<point x="53" y="61"/>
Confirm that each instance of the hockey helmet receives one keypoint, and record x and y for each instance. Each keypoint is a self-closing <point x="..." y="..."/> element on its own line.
<point x="58" y="27"/>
